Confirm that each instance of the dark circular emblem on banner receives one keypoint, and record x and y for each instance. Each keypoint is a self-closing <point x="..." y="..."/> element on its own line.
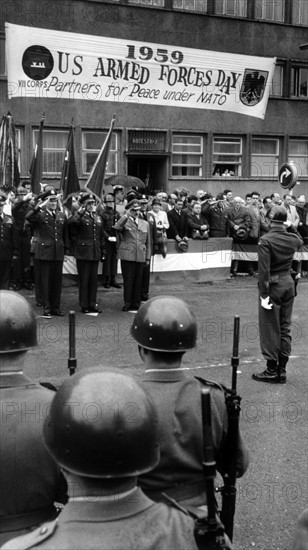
<point x="37" y="62"/>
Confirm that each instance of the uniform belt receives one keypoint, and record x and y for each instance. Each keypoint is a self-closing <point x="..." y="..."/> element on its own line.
<point x="281" y="274"/>
<point x="22" y="521"/>
<point x="178" y="492"/>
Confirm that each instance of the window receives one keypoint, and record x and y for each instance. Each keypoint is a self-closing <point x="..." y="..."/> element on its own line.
<point x="231" y="7"/>
<point x="300" y="12"/>
<point x="227" y="156"/>
<point x="298" y="153"/>
<point x="276" y="86"/>
<point x="264" y="157"/>
<point x="270" y="10"/>
<point x="54" y="145"/>
<point x="299" y="80"/>
<point x="159" y="3"/>
<point x="190" y="5"/>
<point x="187" y="155"/>
<point x="92" y="143"/>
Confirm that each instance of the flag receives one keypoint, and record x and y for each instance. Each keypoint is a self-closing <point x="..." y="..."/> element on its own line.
<point x="69" y="183"/>
<point x="36" y="168"/>
<point x="96" y="179"/>
<point x="9" y="171"/>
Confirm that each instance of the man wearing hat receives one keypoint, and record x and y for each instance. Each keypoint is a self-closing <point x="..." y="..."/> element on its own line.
<point x="21" y="268"/>
<point x="30" y="480"/>
<point x="50" y="226"/>
<point x="102" y="450"/>
<point x="134" y="252"/>
<point x="89" y="250"/>
<point x="109" y="216"/>
<point x="276" y="294"/>
<point x="8" y="244"/>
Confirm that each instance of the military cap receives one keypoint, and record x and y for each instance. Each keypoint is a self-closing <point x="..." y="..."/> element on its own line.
<point x="50" y="195"/>
<point x="181" y="246"/>
<point x="143" y="199"/>
<point x="86" y="199"/>
<point x="133" y="205"/>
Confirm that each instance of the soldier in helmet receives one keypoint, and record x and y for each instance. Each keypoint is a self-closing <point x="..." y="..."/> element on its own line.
<point x="277" y="291"/>
<point x="102" y="430"/>
<point x="30" y="480"/>
<point x="165" y="329"/>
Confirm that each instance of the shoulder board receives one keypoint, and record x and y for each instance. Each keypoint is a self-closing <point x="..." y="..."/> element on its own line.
<point x="32" y="539"/>
<point x="212" y="384"/>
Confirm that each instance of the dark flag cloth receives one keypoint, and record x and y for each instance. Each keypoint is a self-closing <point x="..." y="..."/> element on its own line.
<point x="9" y="171"/>
<point x="96" y="179"/>
<point x="69" y="184"/>
<point x="36" y="168"/>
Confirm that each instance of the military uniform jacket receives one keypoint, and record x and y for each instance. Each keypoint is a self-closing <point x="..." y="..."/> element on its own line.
<point x="90" y="242"/>
<point x="30" y="480"/>
<point x="8" y="238"/>
<point x="135" y="245"/>
<point x="178" y="402"/>
<point x="132" y="523"/>
<point x="275" y="256"/>
<point x="51" y="235"/>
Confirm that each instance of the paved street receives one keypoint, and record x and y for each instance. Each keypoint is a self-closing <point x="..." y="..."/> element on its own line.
<point x="273" y="418"/>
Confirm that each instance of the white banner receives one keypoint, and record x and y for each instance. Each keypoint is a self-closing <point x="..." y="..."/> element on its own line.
<point x="64" y="65"/>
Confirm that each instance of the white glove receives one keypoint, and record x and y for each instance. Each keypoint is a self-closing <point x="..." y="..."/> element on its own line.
<point x="265" y="303"/>
<point x="112" y="239"/>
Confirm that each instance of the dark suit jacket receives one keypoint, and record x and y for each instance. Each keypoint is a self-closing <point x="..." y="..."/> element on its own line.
<point x="177" y="224"/>
<point x="135" y="245"/>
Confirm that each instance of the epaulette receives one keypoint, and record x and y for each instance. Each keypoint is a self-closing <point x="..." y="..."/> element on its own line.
<point x="32" y="539"/>
<point x="212" y="384"/>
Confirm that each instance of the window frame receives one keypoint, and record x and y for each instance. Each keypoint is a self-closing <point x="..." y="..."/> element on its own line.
<point x="199" y="154"/>
<point x="191" y="9"/>
<point x="85" y="151"/>
<point x="294" y="157"/>
<point x="227" y="139"/>
<point x="264" y="5"/>
<point x="299" y="4"/>
<point x="239" y="5"/>
<point x="295" y="81"/>
<point x="256" y="155"/>
<point x="281" y="66"/>
<point x="50" y="149"/>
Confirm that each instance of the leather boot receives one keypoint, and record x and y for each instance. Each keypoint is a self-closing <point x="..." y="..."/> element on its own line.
<point x="282" y="364"/>
<point x="270" y="374"/>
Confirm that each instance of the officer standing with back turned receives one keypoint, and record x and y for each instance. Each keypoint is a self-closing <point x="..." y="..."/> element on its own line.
<point x="276" y="294"/>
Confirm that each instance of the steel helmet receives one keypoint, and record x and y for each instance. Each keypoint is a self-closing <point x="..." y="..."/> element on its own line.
<point x="278" y="214"/>
<point x="165" y="324"/>
<point x="102" y="424"/>
<point x="17" y="323"/>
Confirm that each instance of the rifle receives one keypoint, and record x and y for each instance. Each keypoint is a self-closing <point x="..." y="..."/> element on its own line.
<point x="72" y="361"/>
<point x="233" y="400"/>
<point x="209" y="532"/>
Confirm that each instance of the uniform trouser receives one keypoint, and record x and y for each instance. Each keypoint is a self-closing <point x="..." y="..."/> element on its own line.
<point x="87" y="273"/>
<point x="275" y="323"/>
<point x="37" y="280"/>
<point x="5" y="269"/>
<point x="51" y="283"/>
<point x="145" y="283"/>
<point x="21" y="267"/>
<point x="110" y="262"/>
<point x="132" y="277"/>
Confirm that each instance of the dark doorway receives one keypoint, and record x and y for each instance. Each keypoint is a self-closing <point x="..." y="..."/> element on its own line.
<point x="152" y="170"/>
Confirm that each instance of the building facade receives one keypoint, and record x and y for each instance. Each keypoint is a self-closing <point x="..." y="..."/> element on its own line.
<point x="170" y="147"/>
